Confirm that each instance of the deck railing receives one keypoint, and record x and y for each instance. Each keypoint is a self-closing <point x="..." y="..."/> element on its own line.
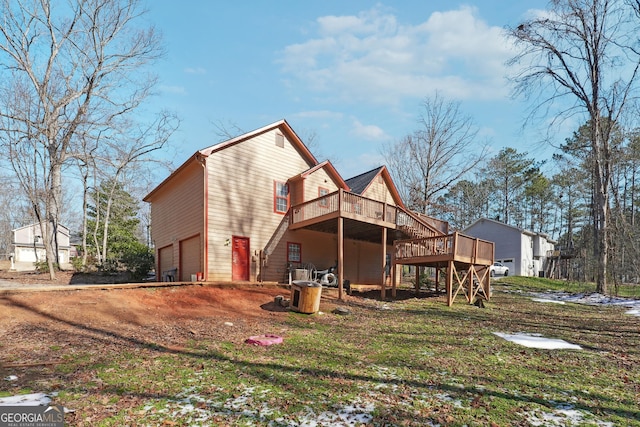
<point x="315" y="208"/>
<point x="455" y="246"/>
<point x="350" y="204"/>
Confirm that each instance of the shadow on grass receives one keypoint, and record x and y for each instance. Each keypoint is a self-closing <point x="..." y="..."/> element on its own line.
<point x="265" y="371"/>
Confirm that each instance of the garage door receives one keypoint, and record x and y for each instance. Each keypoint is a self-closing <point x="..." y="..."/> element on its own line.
<point x="190" y="257"/>
<point x="165" y="260"/>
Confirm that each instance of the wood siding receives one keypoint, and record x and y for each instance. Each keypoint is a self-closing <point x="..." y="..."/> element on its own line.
<point x="165" y="260"/>
<point x="378" y="190"/>
<point x="363" y="260"/>
<point x="316" y="180"/>
<point x="190" y="258"/>
<point x="177" y="213"/>
<point x="241" y="182"/>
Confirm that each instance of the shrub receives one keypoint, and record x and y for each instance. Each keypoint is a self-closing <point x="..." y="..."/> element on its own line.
<point x="76" y="262"/>
<point x="43" y="266"/>
<point x="138" y="260"/>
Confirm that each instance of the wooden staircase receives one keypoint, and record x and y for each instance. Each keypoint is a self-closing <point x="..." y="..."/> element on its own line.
<point x="414" y="226"/>
<point x="277" y="235"/>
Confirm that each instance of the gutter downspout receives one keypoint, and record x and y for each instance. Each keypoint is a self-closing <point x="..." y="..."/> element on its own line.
<point x="205" y="216"/>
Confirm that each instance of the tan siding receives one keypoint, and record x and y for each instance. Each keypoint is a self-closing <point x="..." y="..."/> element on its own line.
<point x="241" y="186"/>
<point x="165" y="260"/>
<point x="190" y="257"/>
<point x="317" y="248"/>
<point x="378" y="190"/>
<point x="314" y="181"/>
<point x="177" y="210"/>
<point x="370" y="263"/>
<point x="296" y="189"/>
<point x="363" y="260"/>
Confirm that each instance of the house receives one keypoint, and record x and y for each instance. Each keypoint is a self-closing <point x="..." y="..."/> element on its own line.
<point x="28" y="246"/>
<point x="524" y="252"/>
<point x="256" y="206"/>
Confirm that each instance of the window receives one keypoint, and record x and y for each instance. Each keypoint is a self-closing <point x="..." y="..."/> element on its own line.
<point x="280" y="197"/>
<point x="323" y="192"/>
<point x="294" y="252"/>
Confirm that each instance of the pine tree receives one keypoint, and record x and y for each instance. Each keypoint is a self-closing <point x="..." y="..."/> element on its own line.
<point x="114" y="212"/>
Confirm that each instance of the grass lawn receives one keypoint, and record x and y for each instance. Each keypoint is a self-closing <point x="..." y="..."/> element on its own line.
<point x="415" y="362"/>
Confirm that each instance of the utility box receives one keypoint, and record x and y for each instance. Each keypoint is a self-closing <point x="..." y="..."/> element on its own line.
<point x="305" y="296"/>
<point x="301" y="274"/>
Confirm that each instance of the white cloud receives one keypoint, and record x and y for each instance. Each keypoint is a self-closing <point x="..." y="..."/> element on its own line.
<point x="176" y="90"/>
<point x="371" y="57"/>
<point x="368" y="132"/>
<point x="366" y="162"/>
<point x="319" y="114"/>
<point x="367" y="22"/>
<point x="196" y="70"/>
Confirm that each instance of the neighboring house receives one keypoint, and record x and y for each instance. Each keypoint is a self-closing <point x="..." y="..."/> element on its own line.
<point x="250" y="208"/>
<point x="524" y="252"/>
<point x="28" y="245"/>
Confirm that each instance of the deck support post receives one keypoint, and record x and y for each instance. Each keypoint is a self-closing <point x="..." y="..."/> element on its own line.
<point x="416" y="286"/>
<point x="384" y="265"/>
<point x="340" y="258"/>
<point x="449" y="283"/>
<point x="394" y="272"/>
<point x="486" y="283"/>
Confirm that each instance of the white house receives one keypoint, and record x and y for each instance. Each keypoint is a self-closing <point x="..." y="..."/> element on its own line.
<point x="523" y="251"/>
<point x="28" y="246"/>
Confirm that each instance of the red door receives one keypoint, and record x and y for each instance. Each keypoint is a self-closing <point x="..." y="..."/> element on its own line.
<point x="240" y="258"/>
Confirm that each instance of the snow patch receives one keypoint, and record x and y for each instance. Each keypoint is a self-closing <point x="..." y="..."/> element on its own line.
<point x="548" y="300"/>
<point x="33" y="399"/>
<point x="537" y="341"/>
<point x="588" y="299"/>
<point x="563" y="415"/>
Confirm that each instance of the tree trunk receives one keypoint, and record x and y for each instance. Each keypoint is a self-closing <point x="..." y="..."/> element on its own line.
<point x="85" y="200"/>
<point x="105" y="226"/>
<point x="601" y="202"/>
<point x="53" y="216"/>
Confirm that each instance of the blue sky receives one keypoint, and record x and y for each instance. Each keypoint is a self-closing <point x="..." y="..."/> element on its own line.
<point x="352" y="73"/>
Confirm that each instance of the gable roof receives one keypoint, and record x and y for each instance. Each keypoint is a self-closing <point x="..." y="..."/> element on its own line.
<point x="201" y="154"/>
<point x="331" y="171"/>
<point x="61" y="228"/>
<point x="284" y="127"/>
<point x="360" y="183"/>
<point x="480" y="221"/>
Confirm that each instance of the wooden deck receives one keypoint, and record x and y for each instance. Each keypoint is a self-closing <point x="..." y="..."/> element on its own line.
<point x="320" y="213"/>
<point x="465" y="261"/>
<point x="351" y="216"/>
<point x="437" y="250"/>
<point x="417" y="239"/>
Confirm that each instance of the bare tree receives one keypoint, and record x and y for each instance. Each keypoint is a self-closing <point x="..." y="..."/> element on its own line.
<point x="117" y="161"/>
<point x="433" y="158"/>
<point x="585" y="52"/>
<point x="62" y="68"/>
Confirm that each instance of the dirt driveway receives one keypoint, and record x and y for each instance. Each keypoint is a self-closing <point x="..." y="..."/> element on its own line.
<point x="32" y="323"/>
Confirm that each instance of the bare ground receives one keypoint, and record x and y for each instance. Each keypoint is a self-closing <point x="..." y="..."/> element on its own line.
<point x="39" y="330"/>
